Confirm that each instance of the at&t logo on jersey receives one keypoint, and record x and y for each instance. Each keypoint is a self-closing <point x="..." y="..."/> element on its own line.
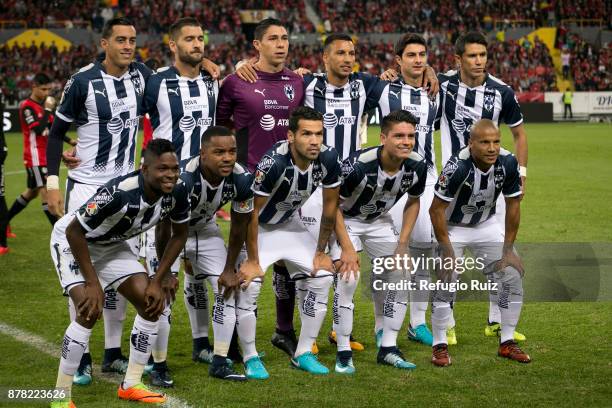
<point x="267" y="122"/>
<point x="188" y="123"/>
<point x="330" y="120"/>
<point x="116" y="125"/>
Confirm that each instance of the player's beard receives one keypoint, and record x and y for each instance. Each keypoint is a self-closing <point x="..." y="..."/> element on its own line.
<point x="190" y="59"/>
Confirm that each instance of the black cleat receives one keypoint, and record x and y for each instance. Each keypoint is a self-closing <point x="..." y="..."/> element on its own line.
<point x="225" y="372"/>
<point x="160" y="376"/>
<point x="285" y="341"/>
<point x="119" y="365"/>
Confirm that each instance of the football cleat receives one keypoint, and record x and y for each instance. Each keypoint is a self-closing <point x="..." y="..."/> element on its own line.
<point x="378" y="338"/>
<point x="63" y="404"/>
<point x="225" y="372"/>
<point x="160" y="376"/>
<point x="344" y="363"/>
<point x="451" y="337"/>
<point x="118" y="365"/>
<point x="309" y="363"/>
<point x="4" y="250"/>
<point x="140" y="393"/>
<point x="9" y="233"/>
<point x="83" y="373"/>
<point x="509" y="349"/>
<point x="203" y="356"/>
<point x="355" y="345"/>
<point x="314" y="348"/>
<point x="393" y="357"/>
<point x="440" y="355"/>
<point x="285" y="341"/>
<point x="255" y="370"/>
<point x="223" y="215"/>
<point x="494" y="329"/>
<point x="420" y="334"/>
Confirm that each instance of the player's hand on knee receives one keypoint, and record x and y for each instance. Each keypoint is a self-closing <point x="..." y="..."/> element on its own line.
<point x="70" y="159"/>
<point x="445" y="269"/>
<point x="249" y="270"/>
<point x="389" y="75"/>
<point x="228" y="282"/>
<point x="169" y="287"/>
<point x="511" y="258"/>
<point x="90" y="308"/>
<point x="155" y="299"/>
<point x="321" y="261"/>
<point x="245" y="70"/>
<point x="349" y="264"/>
<point x="402" y="251"/>
<point x="55" y="203"/>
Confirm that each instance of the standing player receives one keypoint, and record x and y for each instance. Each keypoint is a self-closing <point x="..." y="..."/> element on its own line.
<point x="36" y="117"/>
<point x="216" y="179"/>
<point x="407" y="93"/>
<point x="181" y="100"/>
<point x="462" y="214"/>
<point x="466" y="96"/>
<point x="286" y="176"/>
<point x="259" y="113"/>
<point x="4" y="249"/>
<point x="90" y="250"/>
<point x="105" y="102"/>
<point x="374" y="180"/>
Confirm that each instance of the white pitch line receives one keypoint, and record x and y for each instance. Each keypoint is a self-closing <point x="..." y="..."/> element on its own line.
<point x="12" y="173"/>
<point x="52" y="350"/>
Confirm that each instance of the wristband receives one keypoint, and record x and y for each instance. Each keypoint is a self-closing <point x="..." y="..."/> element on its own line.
<point x="523" y="171"/>
<point x="52" y="183"/>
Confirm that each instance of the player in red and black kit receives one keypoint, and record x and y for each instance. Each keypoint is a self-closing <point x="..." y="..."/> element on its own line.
<point x="35" y="115"/>
<point x="3" y="211"/>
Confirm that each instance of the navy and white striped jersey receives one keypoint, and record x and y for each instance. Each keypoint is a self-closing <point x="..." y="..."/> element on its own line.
<point x="287" y="186"/>
<point x="461" y="106"/>
<point x="106" y="111"/>
<point x="343" y="107"/>
<point x="367" y="192"/>
<point x="181" y="108"/>
<point x="399" y="95"/>
<point x="472" y="193"/>
<point x="119" y="210"/>
<point x="207" y="199"/>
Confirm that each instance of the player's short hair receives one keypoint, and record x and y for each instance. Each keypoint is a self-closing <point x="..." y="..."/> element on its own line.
<point x="152" y="63"/>
<point x="406" y="39"/>
<point x="41" y="79"/>
<point x="214" y="131"/>
<point x="336" y="37"/>
<point x="302" y="113"/>
<point x="263" y="25"/>
<point x="176" y="27"/>
<point x="107" y="31"/>
<point x="471" y="37"/>
<point x="483" y="124"/>
<point x="396" y="117"/>
<point x="157" y="147"/>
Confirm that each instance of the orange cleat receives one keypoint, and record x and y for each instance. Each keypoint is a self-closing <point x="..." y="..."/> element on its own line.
<point x="140" y="393"/>
<point x="9" y="233"/>
<point x="510" y="350"/>
<point x="355" y="345"/>
<point x="4" y="250"/>
<point x="223" y="215"/>
<point x="440" y="355"/>
<point x="315" y="348"/>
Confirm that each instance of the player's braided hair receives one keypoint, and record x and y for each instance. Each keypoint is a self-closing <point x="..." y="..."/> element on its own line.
<point x="396" y="117"/>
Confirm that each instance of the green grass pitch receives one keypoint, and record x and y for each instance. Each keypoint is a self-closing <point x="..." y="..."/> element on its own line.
<point x="568" y="200"/>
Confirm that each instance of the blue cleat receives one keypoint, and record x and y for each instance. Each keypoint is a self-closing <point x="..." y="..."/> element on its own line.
<point x="420" y="334"/>
<point x="309" y="363"/>
<point x="255" y="370"/>
<point x="344" y="363"/>
<point x="378" y="337"/>
<point x="393" y="356"/>
<point x="83" y="375"/>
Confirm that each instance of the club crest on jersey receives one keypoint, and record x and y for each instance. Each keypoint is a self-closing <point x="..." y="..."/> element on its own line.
<point x="289" y="92"/>
<point x="265" y="164"/>
<point x="138" y="87"/>
<point x="354" y="90"/>
<point x="259" y="176"/>
<point x="407" y="180"/>
<point x="489" y="102"/>
<point x="210" y="90"/>
<point x="346" y="168"/>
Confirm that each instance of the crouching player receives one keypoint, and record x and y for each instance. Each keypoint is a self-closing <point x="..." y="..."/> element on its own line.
<point x="462" y="215"/>
<point x="90" y="252"/>
<point x="214" y="179"/>
<point x="374" y="179"/>
<point x="285" y="177"/>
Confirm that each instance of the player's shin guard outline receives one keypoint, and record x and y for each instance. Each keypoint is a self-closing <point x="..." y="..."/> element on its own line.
<point x="246" y="319"/>
<point x="314" y="293"/>
<point x="343" y="309"/>
<point x="114" y="312"/>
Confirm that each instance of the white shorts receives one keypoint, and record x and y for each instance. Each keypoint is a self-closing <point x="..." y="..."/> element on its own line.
<point x="422" y="234"/>
<point x="205" y="249"/>
<point x="290" y="242"/>
<point x="77" y="194"/>
<point x="310" y="213"/>
<point x="148" y="252"/>
<point x="500" y="212"/>
<point x="113" y="263"/>
<point x="378" y="237"/>
<point x="484" y="240"/>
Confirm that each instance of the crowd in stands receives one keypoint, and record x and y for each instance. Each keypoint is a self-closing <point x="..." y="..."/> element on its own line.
<point x="591" y="69"/>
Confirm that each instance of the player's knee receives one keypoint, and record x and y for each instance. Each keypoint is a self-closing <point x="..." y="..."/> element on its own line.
<point x="346" y="290"/>
<point x="246" y="302"/>
<point x="512" y="279"/>
<point x="320" y="286"/>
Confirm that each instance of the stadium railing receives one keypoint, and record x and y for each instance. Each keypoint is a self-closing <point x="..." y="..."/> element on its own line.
<point x="501" y="24"/>
<point x="13" y="24"/>
<point x="583" y="22"/>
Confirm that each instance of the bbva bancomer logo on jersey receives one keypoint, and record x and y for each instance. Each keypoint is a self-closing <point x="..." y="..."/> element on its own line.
<point x="267" y="122"/>
<point x="330" y="120"/>
<point x="116" y="125"/>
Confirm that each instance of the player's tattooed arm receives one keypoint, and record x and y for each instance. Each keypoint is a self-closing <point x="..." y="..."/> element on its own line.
<point x="251" y="269"/>
<point x="437" y="213"/>
<point x="168" y="247"/>
<point x="349" y="259"/>
<point x="229" y="279"/>
<point x="91" y="305"/>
